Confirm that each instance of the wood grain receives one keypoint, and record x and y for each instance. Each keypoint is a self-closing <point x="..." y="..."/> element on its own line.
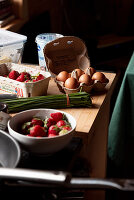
<point x="92" y="127"/>
<point x="85" y="116"/>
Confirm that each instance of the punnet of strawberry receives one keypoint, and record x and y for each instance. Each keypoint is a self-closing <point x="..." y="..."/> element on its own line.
<point x="55" y="125"/>
<point x="25" y="76"/>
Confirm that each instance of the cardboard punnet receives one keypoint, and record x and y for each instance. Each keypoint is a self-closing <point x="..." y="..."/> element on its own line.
<point x="23" y="89"/>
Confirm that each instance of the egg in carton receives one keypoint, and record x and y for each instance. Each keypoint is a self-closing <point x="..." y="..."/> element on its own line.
<point x="100" y="81"/>
<point x="63" y="56"/>
<point x="92" y="80"/>
<point x="86" y="81"/>
<point x="79" y="80"/>
<point x="68" y="82"/>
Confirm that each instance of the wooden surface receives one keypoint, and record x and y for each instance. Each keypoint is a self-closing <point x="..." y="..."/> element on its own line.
<point x="92" y="127"/>
<point x="82" y="114"/>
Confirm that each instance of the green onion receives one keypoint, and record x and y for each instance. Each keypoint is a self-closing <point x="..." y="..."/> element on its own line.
<point x="75" y="100"/>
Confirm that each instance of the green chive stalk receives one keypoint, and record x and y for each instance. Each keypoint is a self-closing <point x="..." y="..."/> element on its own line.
<point x="76" y="100"/>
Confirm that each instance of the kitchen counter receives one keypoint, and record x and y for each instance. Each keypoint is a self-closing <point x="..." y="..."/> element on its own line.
<point x="92" y="129"/>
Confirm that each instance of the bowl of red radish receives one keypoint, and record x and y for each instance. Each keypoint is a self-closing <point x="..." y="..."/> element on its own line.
<point x="42" y="131"/>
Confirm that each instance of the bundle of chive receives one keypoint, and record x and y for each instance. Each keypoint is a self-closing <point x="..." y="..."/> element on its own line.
<point x="79" y="99"/>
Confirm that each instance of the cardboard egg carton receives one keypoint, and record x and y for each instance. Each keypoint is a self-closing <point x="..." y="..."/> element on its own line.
<point x="66" y="54"/>
<point x="22" y="89"/>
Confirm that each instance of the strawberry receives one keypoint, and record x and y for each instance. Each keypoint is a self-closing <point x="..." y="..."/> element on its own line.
<point x="49" y="121"/>
<point x="21" y="78"/>
<point x="57" y="116"/>
<point x="66" y="128"/>
<point x="27" y="81"/>
<point x="29" y="135"/>
<point x="34" y="80"/>
<point x="25" y="127"/>
<point x="26" y="75"/>
<point x="40" y="77"/>
<point x="37" y="121"/>
<point x="53" y="129"/>
<point x="62" y="132"/>
<point x="13" y="74"/>
<point x="61" y="123"/>
<point x="37" y="130"/>
<point x="52" y="135"/>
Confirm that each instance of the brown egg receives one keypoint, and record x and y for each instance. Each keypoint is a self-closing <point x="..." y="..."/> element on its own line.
<point x="99" y="76"/>
<point x="71" y="83"/>
<point x="63" y="76"/>
<point x="79" y="72"/>
<point x="85" y="78"/>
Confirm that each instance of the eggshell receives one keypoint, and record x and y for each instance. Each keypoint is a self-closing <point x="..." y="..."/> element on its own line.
<point x="85" y="78"/>
<point x="99" y="76"/>
<point x="63" y="76"/>
<point x="71" y="83"/>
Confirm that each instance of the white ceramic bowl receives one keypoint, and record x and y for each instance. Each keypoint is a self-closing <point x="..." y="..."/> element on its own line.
<point x="42" y="145"/>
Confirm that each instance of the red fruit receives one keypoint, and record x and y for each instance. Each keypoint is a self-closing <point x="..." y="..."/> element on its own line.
<point x="37" y="121"/>
<point x="63" y="132"/>
<point x="53" y="130"/>
<point x="57" y="116"/>
<point x="49" y="122"/>
<point x="37" y="130"/>
<point x="66" y="128"/>
<point x="21" y="78"/>
<point x="52" y="135"/>
<point x="40" y="77"/>
<point x="61" y="123"/>
<point x="25" y="127"/>
<point x="29" y="135"/>
<point x="13" y="74"/>
<point x="26" y="75"/>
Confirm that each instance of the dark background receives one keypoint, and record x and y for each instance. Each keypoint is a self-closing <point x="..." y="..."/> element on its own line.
<point x="90" y="20"/>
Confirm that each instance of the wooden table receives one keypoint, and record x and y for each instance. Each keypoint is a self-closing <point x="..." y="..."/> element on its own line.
<point x="92" y="127"/>
<point x="92" y="124"/>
